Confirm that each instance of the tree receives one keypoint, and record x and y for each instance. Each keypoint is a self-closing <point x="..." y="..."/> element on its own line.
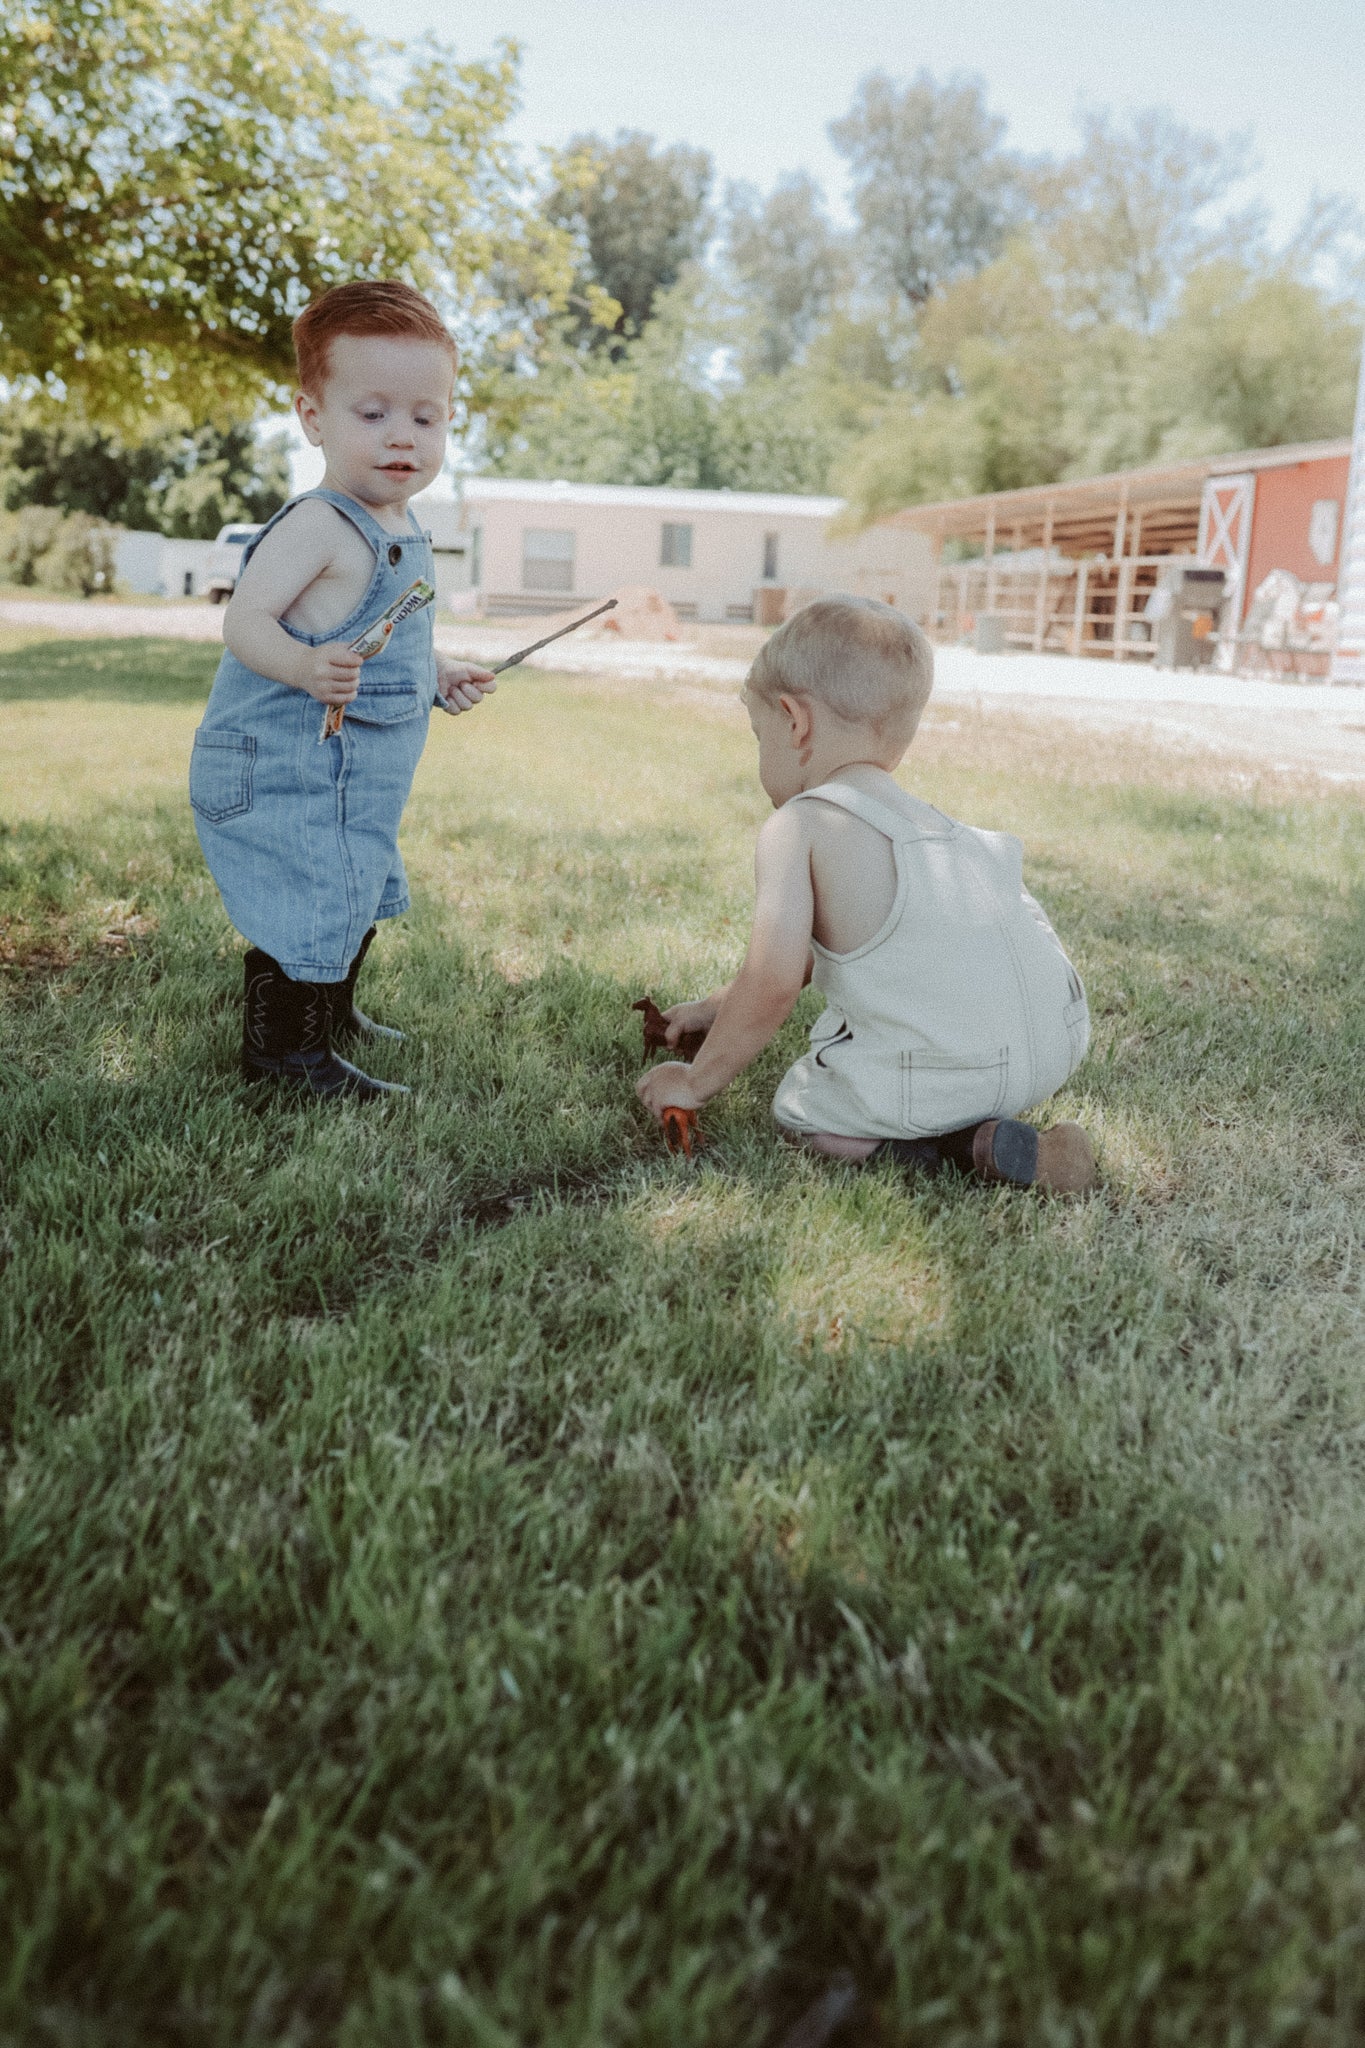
<point x="995" y="342"/>
<point x="637" y="215"/>
<point x="644" y="415"/>
<point x="935" y="194"/>
<point x="789" y="264"/>
<point x="1255" y="360"/>
<point x="169" y="481"/>
<point x="655" y="414"/>
<point x="180" y="176"/>
<point x="1124" y="221"/>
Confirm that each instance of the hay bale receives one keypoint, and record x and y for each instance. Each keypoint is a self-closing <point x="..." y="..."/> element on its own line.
<point x="641" y="614"/>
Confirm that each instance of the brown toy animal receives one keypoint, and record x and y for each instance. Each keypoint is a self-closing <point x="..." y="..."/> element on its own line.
<point x="656" y="1033"/>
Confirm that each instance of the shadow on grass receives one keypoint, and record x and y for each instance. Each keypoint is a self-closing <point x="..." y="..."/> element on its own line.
<point x="124" y="671"/>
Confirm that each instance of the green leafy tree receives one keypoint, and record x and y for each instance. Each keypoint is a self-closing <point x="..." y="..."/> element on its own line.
<point x="774" y="434"/>
<point x="1255" y="360"/>
<point x="181" y="176"/>
<point x="169" y="481"/>
<point x="646" y="415"/>
<point x="63" y="551"/>
<point x="934" y="190"/>
<point x="789" y="264"/>
<point x="994" y="342"/>
<point x="637" y="215"/>
<point x="1125" y="220"/>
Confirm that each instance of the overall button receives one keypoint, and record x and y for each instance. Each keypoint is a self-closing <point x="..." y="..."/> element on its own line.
<point x="395" y="555"/>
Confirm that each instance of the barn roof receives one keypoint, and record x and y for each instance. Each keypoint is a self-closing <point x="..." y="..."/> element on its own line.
<point x="1079" y="517"/>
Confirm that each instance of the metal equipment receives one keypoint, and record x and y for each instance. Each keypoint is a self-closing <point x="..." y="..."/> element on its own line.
<point x="1187" y="623"/>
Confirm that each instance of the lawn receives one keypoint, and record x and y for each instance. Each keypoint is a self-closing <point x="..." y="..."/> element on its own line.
<point x="468" y="1578"/>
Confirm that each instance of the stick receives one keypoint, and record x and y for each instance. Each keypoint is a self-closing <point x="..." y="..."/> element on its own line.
<point x="558" y="634"/>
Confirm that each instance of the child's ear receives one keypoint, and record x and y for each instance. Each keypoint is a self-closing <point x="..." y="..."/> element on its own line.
<point x="307" y="409"/>
<point x="800" y="720"/>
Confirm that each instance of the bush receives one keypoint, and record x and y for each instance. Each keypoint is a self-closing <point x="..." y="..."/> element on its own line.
<point x="64" y="551"/>
<point x="27" y="537"/>
<point x="80" y="559"/>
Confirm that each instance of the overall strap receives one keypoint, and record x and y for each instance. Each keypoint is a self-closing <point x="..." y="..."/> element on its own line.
<point x="370" y="531"/>
<point x="365" y="523"/>
<point x="880" y="816"/>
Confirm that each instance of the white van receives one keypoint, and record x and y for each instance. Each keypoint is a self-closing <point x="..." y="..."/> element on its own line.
<point x="226" y="561"/>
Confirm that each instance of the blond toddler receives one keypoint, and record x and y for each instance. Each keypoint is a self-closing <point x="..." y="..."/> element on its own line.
<point x="950" y="1006"/>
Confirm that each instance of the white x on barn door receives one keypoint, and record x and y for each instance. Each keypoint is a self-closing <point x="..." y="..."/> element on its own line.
<point x="1225" y="536"/>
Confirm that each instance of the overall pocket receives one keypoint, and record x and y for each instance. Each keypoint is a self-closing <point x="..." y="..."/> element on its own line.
<point x="386" y="705"/>
<point x="943" y="1091"/>
<point x="220" y="775"/>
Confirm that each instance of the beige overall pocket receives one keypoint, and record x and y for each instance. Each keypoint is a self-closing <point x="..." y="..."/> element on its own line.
<point x="945" y="1092"/>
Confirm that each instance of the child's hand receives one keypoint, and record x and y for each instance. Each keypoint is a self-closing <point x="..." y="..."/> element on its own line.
<point x="685" y="1017"/>
<point x="461" y="685"/>
<point x="330" y="673"/>
<point x="669" y="1084"/>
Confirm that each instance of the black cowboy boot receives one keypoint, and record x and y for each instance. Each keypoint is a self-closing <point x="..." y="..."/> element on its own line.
<point x="916" y="1155"/>
<point x="347" y="1021"/>
<point x="286" y="1035"/>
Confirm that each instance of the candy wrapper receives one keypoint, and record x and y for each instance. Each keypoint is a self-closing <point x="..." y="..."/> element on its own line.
<point x="376" y="636"/>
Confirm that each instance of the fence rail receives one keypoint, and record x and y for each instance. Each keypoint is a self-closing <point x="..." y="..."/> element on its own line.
<point x="1087" y="607"/>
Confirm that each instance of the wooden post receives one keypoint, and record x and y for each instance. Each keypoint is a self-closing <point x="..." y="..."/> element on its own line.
<point x="1040" y="602"/>
<point x="1134" y="550"/>
<point x="1120" y="535"/>
<point x="1078" y="617"/>
<point x="990" y="560"/>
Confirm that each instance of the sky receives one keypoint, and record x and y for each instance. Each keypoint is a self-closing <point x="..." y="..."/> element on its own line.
<point x="757" y="81"/>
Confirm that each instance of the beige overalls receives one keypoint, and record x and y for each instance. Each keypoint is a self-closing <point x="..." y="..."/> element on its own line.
<point x="962" y="1007"/>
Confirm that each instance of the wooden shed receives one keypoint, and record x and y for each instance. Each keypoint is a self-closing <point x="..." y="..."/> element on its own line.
<point x="1069" y="567"/>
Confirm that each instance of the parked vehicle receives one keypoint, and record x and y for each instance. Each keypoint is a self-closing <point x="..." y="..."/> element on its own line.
<point x="226" y="561"/>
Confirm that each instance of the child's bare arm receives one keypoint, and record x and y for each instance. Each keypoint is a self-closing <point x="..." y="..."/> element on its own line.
<point x="758" y="1002"/>
<point x="292" y="556"/>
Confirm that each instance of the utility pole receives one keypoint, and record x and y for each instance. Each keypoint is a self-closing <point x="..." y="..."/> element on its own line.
<point x="1348" y="663"/>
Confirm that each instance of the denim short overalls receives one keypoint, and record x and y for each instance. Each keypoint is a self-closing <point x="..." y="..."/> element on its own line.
<point x="302" y="838"/>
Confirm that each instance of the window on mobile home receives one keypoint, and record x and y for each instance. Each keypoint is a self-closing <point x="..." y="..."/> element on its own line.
<point x="770" y="558"/>
<point x="547" y="558"/>
<point x="676" y="550"/>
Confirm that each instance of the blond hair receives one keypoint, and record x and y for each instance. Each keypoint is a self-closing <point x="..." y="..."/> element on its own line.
<point x="864" y="660"/>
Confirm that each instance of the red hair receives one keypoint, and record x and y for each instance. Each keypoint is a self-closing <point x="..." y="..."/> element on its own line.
<point x="372" y="305"/>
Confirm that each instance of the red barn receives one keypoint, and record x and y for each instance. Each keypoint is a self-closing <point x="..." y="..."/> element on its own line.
<point x="1070" y="566"/>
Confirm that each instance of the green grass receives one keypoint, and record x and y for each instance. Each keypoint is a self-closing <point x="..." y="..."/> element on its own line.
<point x="468" y="1578"/>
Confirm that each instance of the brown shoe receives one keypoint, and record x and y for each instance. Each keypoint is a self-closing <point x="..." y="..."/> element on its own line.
<point x="1061" y="1160"/>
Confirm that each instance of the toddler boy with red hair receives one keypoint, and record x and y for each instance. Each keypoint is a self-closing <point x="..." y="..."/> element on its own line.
<point x="300" y="830"/>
